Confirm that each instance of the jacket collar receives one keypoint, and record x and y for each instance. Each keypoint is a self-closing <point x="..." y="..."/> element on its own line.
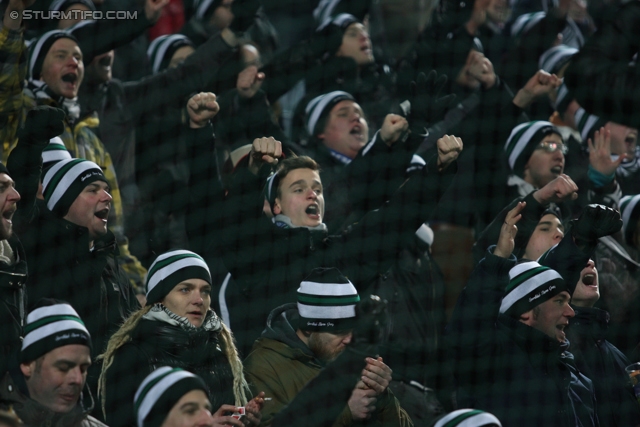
<point x="590" y="320"/>
<point x="530" y="339"/>
<point x="32" y="412"/>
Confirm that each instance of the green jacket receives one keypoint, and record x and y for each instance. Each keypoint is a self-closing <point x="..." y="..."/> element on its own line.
<point x="280" y="364"/>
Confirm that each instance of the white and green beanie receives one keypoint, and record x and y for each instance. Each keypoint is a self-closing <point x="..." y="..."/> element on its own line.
<point x="468" y="418"/>
<point x="523" y="141"/>
<point x="51" y="326"/>
<point x="630" y="212"/>
<point x="327" y="301"/>
<point x="552" y="60"/>
<point x="54" y="152"/>
<point x="530" y="284"/>
<point x="161" y="50"/>
<point x="171" y="268"/>
<point x="65" y="180"/>
<point x="160" y="391"/>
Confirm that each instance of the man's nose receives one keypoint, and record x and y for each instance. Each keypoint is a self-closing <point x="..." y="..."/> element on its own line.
<point x="13" y="195"/>
<point x="568" y="311"/>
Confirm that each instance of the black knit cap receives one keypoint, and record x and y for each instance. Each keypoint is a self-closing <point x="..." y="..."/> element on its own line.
<point x="162" y="49"/>
<point x="39" y="48"/>
<point x="3" y="169"/>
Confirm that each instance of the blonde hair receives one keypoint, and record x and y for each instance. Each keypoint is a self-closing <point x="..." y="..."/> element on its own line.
<point x="123" y="335"/>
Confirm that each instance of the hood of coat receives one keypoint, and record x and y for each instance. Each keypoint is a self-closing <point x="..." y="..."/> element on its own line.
<point x="281" y="327"/>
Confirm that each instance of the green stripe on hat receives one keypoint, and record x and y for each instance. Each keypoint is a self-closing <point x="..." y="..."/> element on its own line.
<point x="517" y="281"/>
<point x="151" y="381"/>
<point x="323" y="300"/>
<point x="467" y="418"/>
<point x="52" y="326"/>
<point x="171" y="268"/>
<point x="55" y="175"/>
<point x="530" y="284"/>
<point x="457" y="420"/>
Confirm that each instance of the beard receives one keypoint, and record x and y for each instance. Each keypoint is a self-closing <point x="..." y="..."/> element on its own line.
<point x="322" y="349"/>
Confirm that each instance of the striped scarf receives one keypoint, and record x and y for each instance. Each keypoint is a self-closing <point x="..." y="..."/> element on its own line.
<point x="38" y="90"/>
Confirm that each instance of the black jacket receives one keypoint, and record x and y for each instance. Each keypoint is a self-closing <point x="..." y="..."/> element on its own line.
<point x="268" y="262"/>
<point x="154" y="344"/>
<point x="510" y="369"/>
<point x="13" y="301"/>
<point x="604" y="364"/>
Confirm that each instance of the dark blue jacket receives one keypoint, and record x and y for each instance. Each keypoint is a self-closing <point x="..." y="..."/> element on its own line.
<point x="508" y="368"/>
<point x="604" y="364"/>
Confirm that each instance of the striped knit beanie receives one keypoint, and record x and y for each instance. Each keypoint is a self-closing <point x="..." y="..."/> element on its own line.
<point x="160" y="391"/>
<point x="319" y="107"/>
<point x="587" y="124"/>
<point x="525" y="22"/>
<point x="342" y="21"/>
<point x="51" y="325"/>
<point x="552" y="60"/>
<point x="327" y="301"/>
<point x="62" y="5"/>
<point x="161" y="50"/>
<point x="468" y="418"/>
<point x="65" y="180"/>
<point x="523" y="141"/>
<point x="205" y="8"/>
<point x="54" y="152"/>
<point x="530" y="284"/>
<point x="630" y="211"/>
<point x="38" y="50"/>
<point x="171" y="268"/>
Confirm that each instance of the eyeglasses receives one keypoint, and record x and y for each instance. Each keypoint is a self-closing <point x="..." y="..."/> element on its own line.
<point x="551" y="147"/>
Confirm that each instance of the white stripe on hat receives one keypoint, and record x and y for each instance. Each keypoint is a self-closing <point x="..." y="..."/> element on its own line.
<point x="156" y="391"/>
<point x="317" y="105"/>
<point x="323" y="11"/>
<point x="327" y="311"/>
<point x="327" y="289"/>
<point x="588" y="124"/>
<point x="627" y="210"/>
<point x="55" y="155"/>
<point x="51" y="310"/>
<point x="551" y="57"/>
<point x="168" y="270"/>
<point x="165" y="42"/>
<point x="66" y="181"/>
<point x="522" y="143"/>
<point x="202" y="8"/>
<point x="38" y="47"/>
<point x="474" y="421"/>
<point x="525" y="22"/>
<point x="521" y="268"/>
<point x="50" y="329"/>
<point x="526" y="287"/>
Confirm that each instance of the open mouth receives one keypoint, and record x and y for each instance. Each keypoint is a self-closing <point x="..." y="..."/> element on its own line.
<point x="7" y="215"/>
<point x="312" y="210"/>
<point x="589" y="279"/>
<point x="556" y="170"/>
<point x="70" y="78"/>
<point x="357" y="132"/>
<point x="102" y="214"/>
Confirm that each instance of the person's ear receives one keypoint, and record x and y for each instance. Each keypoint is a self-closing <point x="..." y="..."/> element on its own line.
<point x="277" y="209"/>
<point x="28" y="368"/>
<point x="526" y="317"/>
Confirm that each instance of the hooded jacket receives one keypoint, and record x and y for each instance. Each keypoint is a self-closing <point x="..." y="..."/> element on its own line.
<point x="281" y="365"/>
<point x="154" y="344"/>
<point x="510" y="369"/>
<point x="604" y="364"/>
<point x="14" y="395"/>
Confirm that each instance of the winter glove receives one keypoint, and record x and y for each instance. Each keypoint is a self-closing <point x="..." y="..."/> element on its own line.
<point x="244" y="14"/>
<point x="594" y="222"/>
<point x="42" y="124"/>
<point x="426" y="105"/>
